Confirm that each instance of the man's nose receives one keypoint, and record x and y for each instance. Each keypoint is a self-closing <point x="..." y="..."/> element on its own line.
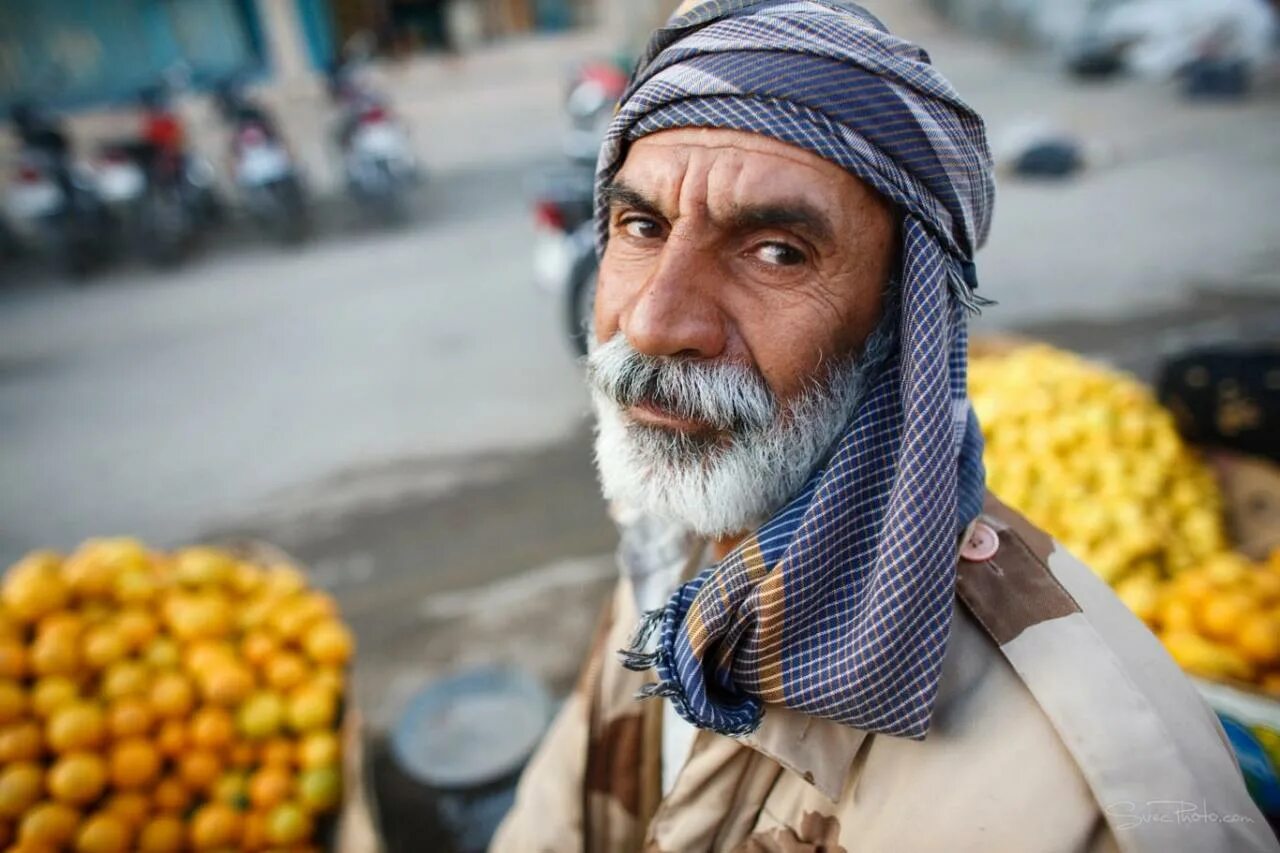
<point x="675" y="311"/>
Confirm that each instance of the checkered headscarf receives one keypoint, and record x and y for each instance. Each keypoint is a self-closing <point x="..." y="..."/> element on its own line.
<point x="840" y="605"/>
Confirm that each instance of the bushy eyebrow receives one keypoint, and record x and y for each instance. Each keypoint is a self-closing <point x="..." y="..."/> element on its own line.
<point x="619" y="193"/>
<point x="797" y="214"/>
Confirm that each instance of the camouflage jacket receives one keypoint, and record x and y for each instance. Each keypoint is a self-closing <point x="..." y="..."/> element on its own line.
<point x="1060" y="725"/>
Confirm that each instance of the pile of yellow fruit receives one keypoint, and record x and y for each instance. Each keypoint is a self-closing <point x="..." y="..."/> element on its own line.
<point x="164" y="702"/>
<point x="1220" y="620"/>
<point x="1089" y="455"/>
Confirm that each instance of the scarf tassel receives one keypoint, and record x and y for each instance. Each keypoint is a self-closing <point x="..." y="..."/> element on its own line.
<point x="659" y="689"/>
<point x="635" y="657"/>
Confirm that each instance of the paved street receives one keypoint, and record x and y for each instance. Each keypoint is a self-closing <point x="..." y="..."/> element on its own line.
<point x="399" y="409"/>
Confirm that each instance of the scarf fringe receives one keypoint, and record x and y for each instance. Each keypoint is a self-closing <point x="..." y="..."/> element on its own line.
<point x="658" y="690"/>
<point x="637" y="661"/>
<point x="636" y="656"/>
<point x="649" y="622"/>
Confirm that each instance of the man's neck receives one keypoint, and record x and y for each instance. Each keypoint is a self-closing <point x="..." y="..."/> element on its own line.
<point x="720" y="548"/>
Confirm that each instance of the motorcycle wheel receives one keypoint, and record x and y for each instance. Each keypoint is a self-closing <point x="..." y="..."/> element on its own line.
<point x="582" y="306"/>
<point x="292" y="221"/>
<point x="165" y="228"/>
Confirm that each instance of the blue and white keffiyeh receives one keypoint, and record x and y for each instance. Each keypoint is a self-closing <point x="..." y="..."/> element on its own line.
<point x="840" y="605"/>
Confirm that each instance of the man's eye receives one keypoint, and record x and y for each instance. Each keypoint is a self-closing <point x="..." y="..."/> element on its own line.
<point x="641" y="228"/>
<point x="779" y="255"/>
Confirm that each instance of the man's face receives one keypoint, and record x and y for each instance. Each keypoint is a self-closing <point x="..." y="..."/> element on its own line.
<point x="731" y="246"/>
<point x="745" y="275"/>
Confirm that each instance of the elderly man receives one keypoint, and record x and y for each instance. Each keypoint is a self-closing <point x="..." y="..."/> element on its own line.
<point x="844" y="643"/>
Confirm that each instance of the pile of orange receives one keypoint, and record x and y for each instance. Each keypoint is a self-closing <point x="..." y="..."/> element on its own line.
<point x="1220" y="620"/>
<point x="165" y="702"/>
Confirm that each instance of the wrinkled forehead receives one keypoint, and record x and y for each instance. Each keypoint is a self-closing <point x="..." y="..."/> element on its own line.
<point x="685" y="172"/>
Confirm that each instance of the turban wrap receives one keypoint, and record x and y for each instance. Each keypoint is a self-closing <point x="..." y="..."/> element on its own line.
<point x="840" y="605"/>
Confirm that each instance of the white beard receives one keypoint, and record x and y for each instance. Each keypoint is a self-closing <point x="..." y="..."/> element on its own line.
<point x="733" y="485"/>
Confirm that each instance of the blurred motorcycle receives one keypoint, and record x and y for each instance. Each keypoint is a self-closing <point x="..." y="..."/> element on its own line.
<point x="53" y="201"/>
<point x="564" y="258"/>
<point x="265" y="171"/>
<point x="179" y="202"/>
<point x="377" y="155"/>
<point x="594" y="89"/>
<point x="564" y="261"/>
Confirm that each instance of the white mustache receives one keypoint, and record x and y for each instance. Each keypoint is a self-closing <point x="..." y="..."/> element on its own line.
<point x="727" y="396"/>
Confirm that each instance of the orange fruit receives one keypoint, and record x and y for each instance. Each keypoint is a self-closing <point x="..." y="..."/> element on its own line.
<point x="203" y="655"/>
<point x="286" y="670"/>
<point x="64" y="622"/>
<point x="283" y="579"/>
<point x="310" y="708"/>
<point x="242" y="755"/>
<point x="103" y="646"/>
<point x="215" y="825"/>
<point x="135" y="763"/>
<point x="261" y="715"/>
<point x="246" y="578"/>
<point x="21" y="786"/>
<point x="13" y="701"/>
<point x="162" y="653"/>
<point x="1219" y="616"/>
<point x="125" y="678"/>
<point x="79" y="726"/>
<point x="13" y="659"/>
<point x="254" y="614"/>
<point x="277" y="751"/>
<point x="20" y="742"/>
<point x="171" y="795"/>
<point x="1258" y="638"/>
<point x="258" y="647"/>
<point x="172" y="695"/>
<point x="289" y="621"/>
<point x="232" y="789"/>
<point x="320" y="790"/>
<point x="329" y="643"/>
<point x="55" y="653"/>
<point x="130" y="717"/>
<point x="171" y="738"/>
<point x="103" y="833"/>
<point x="135" y="587"/>
<point x="328" y="678"/>
<point x="319" y="749"/>
<point x="288" y="824"/>
<point x="270" y="786"/>
<point x="51" y="693"/>
<point x="201" y="566"/>
<point x="33" y="587"/>
<point x="48" y="824"/>
<point x="137" y="627"/>
<point x="207" y="616"/>
<point x="212" y="728"/>
<point x="162" y="834"/>
<point x="78" y="778"/>
<point x="199" y="769"/>
<point x="227" y="684"/>
<point x="133" y="807"/>
<point x="253" y="832"/>
<point x="10" y="628"/>
<point x="94" y="612"/>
